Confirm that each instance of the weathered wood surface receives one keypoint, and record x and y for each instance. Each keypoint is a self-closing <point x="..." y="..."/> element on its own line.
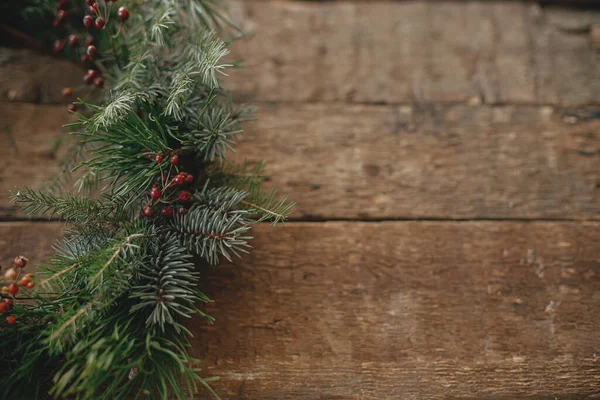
<point x="477" y="110"/>
<point x="447" y="162"/>
<point x="383" y="52"/>
<point x="416" y="51"/>
<point x="398" y="310"/>
<point x="26" y="76"/>
<point x="27" y="134"/>
<point x="385" y="162"/>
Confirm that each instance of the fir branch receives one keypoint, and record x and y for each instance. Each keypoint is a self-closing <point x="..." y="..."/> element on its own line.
<point x="56" y="334"/>
<point x="59" y="274"/>
<point x="126" y="244"/>
<point x="163" y="21"/>
<point x="182" y="85"/>
<point x="116" y="109"/>
<point x="205" y="53"/>
<point x="268" y="206"/>
<point x="73" y="209"/>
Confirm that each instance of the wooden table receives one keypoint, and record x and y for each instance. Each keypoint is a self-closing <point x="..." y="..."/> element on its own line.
<point x="444" y="158"/>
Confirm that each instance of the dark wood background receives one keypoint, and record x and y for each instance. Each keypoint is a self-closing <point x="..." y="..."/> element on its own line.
<point x="444" y="157"/>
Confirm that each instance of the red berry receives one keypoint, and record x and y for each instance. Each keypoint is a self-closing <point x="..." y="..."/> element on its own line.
<point x="184" y="195"/>
<point x="92" y="73"/>
<point x="174" y="160"/>
<point x="147" y="211"/>
<point x="183" y="211"/>
<point x="155" y="194"/>
<point x="11" y="320"/>
<point x="88" y="21"/>
<point x="99" y="82"/>
<point x="92" y="51"/>
<point x="179" y="180"/>
<point x="85" y="58"/>
<point x="167" y="211"/>
<point x="13" y="289"/>
<point x="24" y="282"/>
<point x="59" y="46"/>
<point x="92" y="10"/>
<point x="123" y="14"/>
<point x="61" y="4"/>
<point x="88" y="79"/>
<point x="67" y="92"/>
<point x="72" y="107"/>
<point x="3" y="308"/>
<point x="89" y="41"/>
<point x="60" y="17"/>
<point x="99" y="22"/>
<point x="155" y="187"/>
<point x="9" y="304"/>
<point x="90" y="2"/>
<point x="189" y="178"/>
<point x="73" y="40"/>
<point x="30" y="285"/>
<point x="158" y="158"/>
<point x="20" y="261"/>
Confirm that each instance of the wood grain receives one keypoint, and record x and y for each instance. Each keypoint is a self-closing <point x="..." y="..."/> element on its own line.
<point x="26" y="76"/>
<point x="447" y="162"/>
<point x="386" y="162"/>
<point x="410" y="310"/>
<point x="415" y="51"/>
<point x="27" y="158"/>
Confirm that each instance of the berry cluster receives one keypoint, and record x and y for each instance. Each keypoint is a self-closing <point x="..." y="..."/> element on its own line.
<point x="99" y="16"/>
<point x="12" y="279"/>
<point x="169" y="195"/>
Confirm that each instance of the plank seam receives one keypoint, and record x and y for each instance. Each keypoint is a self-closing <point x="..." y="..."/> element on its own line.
<point x="370" y="103"/>
<point x="376" y="220"/>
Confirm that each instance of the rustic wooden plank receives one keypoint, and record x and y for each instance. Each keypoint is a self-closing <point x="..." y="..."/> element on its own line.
<point x="385" y="162"/>
<point x="407" y="310"/>
<point x="33" y="239"/>
<point x="26" y="76"/>
<point x="27" y="158"/>
<point x="457" y="162"/>
<point x="415" y="51"/>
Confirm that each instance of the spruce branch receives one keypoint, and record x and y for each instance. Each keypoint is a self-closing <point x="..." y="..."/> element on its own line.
<point x="210" y="233"/>
<point x="167" y="286"/>
<point x="221" y="199"/>
<point x="215" y="134"/>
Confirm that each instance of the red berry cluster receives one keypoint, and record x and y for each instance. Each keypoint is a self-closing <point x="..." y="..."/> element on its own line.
<point x="10" y="290"/>
<point x="98" y="18"/>
<point x="169" y="193"/>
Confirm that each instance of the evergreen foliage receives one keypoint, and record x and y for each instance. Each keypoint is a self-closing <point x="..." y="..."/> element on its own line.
<point x="146" y="190"/>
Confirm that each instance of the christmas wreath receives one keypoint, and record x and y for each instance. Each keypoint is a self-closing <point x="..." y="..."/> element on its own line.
<point x="150" y="196"/>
